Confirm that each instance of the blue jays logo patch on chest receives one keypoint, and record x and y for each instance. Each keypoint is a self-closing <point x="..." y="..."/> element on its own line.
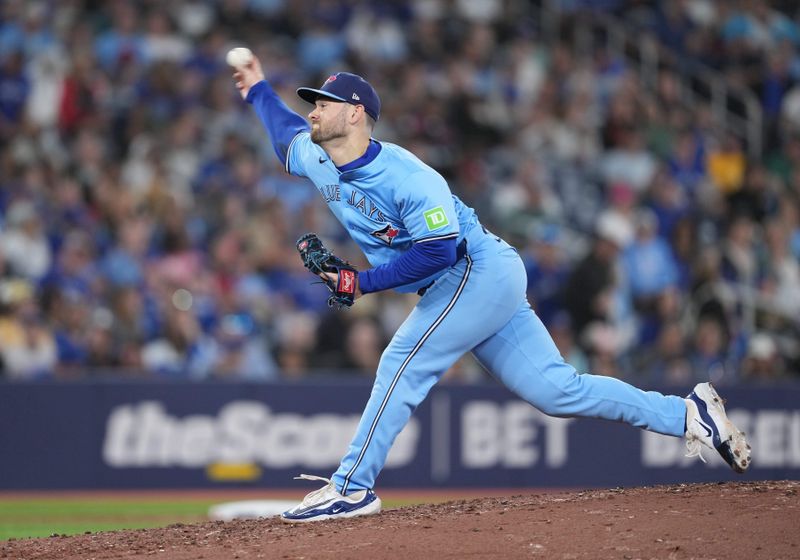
<point x="386" y="234"/>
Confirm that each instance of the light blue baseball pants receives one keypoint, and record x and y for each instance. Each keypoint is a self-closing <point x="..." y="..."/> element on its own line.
<point x="479" y="305"/>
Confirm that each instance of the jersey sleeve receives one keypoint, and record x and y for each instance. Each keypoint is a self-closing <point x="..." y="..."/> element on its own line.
<point x="426" y="207"/>
<point x="422" y="260"/>
<point x="281" y="123"/>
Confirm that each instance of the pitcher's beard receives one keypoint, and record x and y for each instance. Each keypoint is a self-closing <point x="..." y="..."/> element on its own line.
<point x="319" y="136"/>
<point x="333" y="131"/>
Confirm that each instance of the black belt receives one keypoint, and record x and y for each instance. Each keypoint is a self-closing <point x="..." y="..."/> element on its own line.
<point x="461" y="252"/>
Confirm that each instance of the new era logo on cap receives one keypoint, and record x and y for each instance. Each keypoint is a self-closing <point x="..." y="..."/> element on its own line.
<point x="347" y="88"/>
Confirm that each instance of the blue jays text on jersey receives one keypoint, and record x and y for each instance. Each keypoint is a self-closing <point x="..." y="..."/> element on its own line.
<point x="333" y="193"/>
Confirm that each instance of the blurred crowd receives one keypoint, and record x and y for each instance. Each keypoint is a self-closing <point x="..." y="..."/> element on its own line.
<point x="146" y="228"/>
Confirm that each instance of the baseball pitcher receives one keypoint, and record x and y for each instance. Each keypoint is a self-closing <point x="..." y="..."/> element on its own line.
<point x="420" y="238"/>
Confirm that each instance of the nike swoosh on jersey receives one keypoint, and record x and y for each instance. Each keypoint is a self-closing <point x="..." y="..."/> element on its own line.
<point x="322" y="159"/>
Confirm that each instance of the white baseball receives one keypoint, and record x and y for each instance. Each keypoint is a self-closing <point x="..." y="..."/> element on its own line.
<point x="238" y="57"/>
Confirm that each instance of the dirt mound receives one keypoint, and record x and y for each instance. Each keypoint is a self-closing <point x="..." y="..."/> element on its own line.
<point x="729" y="521"/>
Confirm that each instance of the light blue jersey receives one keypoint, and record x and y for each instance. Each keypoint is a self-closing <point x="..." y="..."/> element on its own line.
<point x="388" y="204"/>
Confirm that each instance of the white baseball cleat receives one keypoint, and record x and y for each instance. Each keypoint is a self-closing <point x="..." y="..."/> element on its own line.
<point x="328" y="503"/>
<point x="707" y="424"/>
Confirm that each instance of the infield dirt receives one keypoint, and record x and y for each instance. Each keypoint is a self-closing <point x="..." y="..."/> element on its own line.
<point x="749" y="520"/>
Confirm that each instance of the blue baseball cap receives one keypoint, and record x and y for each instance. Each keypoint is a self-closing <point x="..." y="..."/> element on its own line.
<point x="347" y="88"/>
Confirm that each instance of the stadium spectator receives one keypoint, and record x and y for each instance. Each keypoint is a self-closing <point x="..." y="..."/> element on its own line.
<point x="653" y="276"/>
<point x="25" y="248"/>
<point x="548" y="270"/>
<point x="763" y="362"/>
<point x="591" y="290"/>
<point x="27" y="347"/>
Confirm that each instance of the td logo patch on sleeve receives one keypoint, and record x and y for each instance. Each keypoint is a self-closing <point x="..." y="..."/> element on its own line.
<point x="435" y="218"/>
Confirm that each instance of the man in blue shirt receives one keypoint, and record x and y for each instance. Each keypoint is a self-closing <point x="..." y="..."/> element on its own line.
<point x="421" y="238"/>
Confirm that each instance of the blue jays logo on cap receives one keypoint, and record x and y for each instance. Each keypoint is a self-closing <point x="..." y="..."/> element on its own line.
<point x="347" y="88"/>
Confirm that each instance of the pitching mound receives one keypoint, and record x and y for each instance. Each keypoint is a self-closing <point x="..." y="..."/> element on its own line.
<point x="727" y="521"/>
